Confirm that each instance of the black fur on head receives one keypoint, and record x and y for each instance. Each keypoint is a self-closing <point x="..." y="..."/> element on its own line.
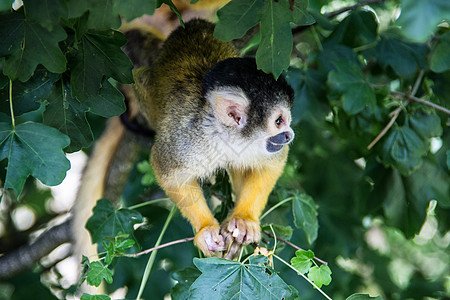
<point x="263" y="91"/>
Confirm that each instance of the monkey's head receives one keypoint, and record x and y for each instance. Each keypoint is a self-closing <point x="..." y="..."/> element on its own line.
<point x="249" y="104"/>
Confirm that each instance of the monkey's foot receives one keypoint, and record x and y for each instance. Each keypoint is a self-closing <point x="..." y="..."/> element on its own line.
<point x="209" y="240"/>
<point x="238" y="232"/>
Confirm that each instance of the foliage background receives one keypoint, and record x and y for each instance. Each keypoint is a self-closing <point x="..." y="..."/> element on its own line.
<point x="382" y="212"/>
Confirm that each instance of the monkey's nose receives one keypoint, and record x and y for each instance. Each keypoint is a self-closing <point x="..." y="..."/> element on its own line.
<point x="282" y="138"/>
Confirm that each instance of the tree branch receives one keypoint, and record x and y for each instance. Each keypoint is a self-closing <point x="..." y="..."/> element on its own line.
<point x="26" y="256"/>
<point x="419" y="100"/>
<point x="159" y="247"/>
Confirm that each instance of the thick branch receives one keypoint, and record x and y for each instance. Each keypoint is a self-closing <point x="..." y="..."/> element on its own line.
<point x="26" y="256"/>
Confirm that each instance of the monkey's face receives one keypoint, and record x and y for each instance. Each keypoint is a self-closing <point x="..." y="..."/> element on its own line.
<point x="279" y="130"/>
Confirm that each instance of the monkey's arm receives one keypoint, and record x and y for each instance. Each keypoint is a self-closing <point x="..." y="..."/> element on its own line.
<point x="252" y="188"/>
<point x="190" y="200"/>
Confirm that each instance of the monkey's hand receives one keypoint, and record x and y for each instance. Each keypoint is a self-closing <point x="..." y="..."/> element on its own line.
<point x="209" y="240"/>
<point x="238" y="232"/>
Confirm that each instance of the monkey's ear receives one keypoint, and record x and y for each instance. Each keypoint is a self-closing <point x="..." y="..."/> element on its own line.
<point x="230" y="107"/>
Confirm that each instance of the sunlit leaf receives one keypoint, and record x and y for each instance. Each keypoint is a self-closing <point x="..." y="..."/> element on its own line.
<point x="97" y="272"/>
<point x="320" y="275"/>
<point x="302" y="260"/>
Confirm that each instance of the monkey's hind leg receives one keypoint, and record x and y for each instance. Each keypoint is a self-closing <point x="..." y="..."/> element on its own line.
<point x="190" y="200"/>
<point x="252" y="189"/>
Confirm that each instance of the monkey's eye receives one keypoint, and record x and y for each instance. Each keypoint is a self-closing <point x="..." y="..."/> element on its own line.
<point x="279" y="121"/>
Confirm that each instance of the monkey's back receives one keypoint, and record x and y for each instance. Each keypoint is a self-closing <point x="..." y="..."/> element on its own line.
<point x="177" y="107"/>
<point x="176" y="80"/>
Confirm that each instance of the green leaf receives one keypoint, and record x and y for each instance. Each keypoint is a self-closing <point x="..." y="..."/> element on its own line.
<point x="242" y="14"/>
<point x="426" y="125"/>
<point x="95" y="297"/>
<point x="132" y="9"/>
<point x="98" y="56"/>
<point x="102" y="15"/>
<point x="34" y="45"/>
<point x="320" y="276"/>
<point x="419" y="18"/>
<point x="303" y="260"/>
<point x="305" y="216"/>
<point x="108" y="103"/>
<point x="357" y="29"/>
<point x="11" y="32"/>
<point x="185" y="278"/>
<point x="273" y="54"/>
<point x="349" y="80"/>
<point x="404" y="58"/>
<point x="97" y="272"/>
<point x="440" y="58"/>
<point x="27" y="96"/>
<point x="5" y="5"/>
<point x="363" y="297"/>
<point x="33" y="149"/>
<point x="403" y="149"/>
<point x="225" y="279"/>
<point x="68" y="115"/>
<point x="46" y="12"/>
<point x="448" y="159"/>
<point x="108" y="222"/>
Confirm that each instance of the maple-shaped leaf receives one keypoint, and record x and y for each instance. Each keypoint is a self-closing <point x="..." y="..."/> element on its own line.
<point x="68" y="115"/>
<point x="98" y="55"/>
<point x="275" y="17"/>
<point x="303" y="260"/>
<point x="320" y="275"/>
<point x="225" y="279"/>
<point x="95" y="297"/>
<point x="108" y="222"/>
<point x="97" y="272"/>
<point x="46" y="12"/>
<point x="33" y="149"/>
<point x="27" y="44"/>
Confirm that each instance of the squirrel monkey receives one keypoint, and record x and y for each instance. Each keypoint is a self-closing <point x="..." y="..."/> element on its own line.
<point x="213" y="110"/>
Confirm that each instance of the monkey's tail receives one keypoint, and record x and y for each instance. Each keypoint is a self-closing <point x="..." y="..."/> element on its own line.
<point x="92" y="187"/>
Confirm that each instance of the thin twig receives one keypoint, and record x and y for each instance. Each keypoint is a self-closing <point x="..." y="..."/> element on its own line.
<point x="352" y="7"/>
<point x="185" y="240"/>
<point x="394" y="114"/>
<point x="419" y="100"/>
<point x="303" y="275"/>
<point x="294" y="246"/>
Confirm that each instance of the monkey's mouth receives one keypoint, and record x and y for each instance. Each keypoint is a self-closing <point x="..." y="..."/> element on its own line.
<point x="272" y="147"/>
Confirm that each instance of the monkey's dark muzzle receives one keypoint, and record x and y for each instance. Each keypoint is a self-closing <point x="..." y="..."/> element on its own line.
<point x="276" y="142"/>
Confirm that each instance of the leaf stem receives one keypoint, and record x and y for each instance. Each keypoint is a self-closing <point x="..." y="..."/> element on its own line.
<point x="275" y="206"/>
<point x="419" y="100"/>
<point x="316" y="38"/>
<point x="303" y="275"/>
<point x="151" y="260"/>
<point x="13" y="120"/>
<point x="148" y="203"/>
<point x="295" y="247"/>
